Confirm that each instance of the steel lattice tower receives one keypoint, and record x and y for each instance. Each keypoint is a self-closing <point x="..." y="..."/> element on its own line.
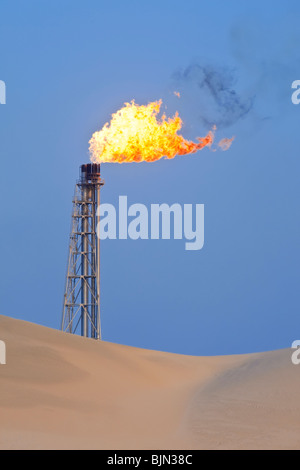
<point x="81" y="309"/>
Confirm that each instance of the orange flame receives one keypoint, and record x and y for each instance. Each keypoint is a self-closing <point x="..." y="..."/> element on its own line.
<point x="135" y="134"/>
<point x="225" y="143"/>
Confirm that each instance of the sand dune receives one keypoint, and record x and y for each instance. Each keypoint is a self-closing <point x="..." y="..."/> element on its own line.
<point x="59" y="391"/>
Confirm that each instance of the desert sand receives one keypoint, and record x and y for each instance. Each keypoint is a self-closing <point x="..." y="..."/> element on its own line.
<point x="61" y="391"/>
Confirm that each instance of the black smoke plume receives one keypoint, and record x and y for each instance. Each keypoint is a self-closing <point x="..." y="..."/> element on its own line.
<point x="219" y="102"/>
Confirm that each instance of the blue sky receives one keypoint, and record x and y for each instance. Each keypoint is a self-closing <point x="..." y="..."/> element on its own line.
<point x="68" y="65"/>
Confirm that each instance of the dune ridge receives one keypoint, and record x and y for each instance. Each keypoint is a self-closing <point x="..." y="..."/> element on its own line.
<point x="60" y="391"/>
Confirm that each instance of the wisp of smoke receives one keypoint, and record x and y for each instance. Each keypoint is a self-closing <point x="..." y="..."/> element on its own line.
<point x="224" y="105"/>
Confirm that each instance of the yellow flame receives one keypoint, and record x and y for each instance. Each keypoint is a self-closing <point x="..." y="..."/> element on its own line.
<point x="136" y="134"/>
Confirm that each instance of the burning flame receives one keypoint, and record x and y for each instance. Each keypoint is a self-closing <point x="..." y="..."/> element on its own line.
<point x="225" y="143"/>
<point x="136" y="134"/>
